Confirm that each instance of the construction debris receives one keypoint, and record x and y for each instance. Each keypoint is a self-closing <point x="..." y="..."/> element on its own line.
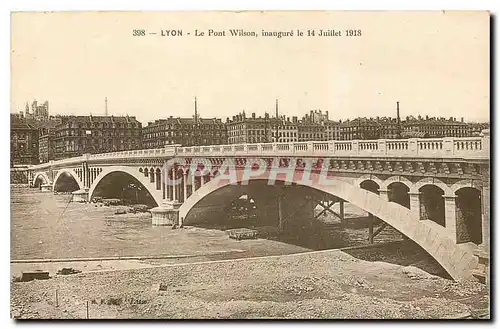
<point x="242" y="233"/>
<point x="34" y="275"/>
<point x="68" y="271"/>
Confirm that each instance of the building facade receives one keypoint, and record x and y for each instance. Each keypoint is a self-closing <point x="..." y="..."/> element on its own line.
<point x="76" y="135"/>
<point x="312" y="127"/>
<point x="23" y="143"/>
<point x="332" y="130"/>
<point x="46" y="147"/>
<point x="242" y="129"/>
<point x="184" y="131"/>
<point x="437" y="127"/>
<point x="285" y="130"/>
<point x="359" y="128"/>
<point x="46" y="138"/>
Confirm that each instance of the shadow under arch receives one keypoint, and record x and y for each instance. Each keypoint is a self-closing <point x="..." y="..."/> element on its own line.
<point x="66" y="174"/>
<point x="132" y="176"/>
<point x="40" y="179"/>
<point x="456" y="261"/>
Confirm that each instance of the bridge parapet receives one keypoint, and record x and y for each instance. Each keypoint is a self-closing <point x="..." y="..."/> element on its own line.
<point x="161" y="152"/>
<point x="449" y="147"/>
<point x="464" y="147"/>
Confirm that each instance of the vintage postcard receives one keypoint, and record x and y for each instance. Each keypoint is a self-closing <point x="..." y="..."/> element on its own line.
<point x="250" y="165"/>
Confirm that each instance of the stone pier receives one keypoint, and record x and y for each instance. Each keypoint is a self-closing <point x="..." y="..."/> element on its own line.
<point x="46" y="187"/>
<point x="81" y="195"/>
<point x="166" y="214"/>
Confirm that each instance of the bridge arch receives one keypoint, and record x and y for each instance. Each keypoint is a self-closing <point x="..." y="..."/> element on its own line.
<point x="468" y="205"/>
<point x="41" y="175"/>
<point x="372" y="178"/>
<point x="72" y="173"/>
<point x="457" y="261"/>
<point x="431" y="181"/>
<point x="396" y="179"/>
<point x="463" y="184"/>
<point x="134" y="172"/>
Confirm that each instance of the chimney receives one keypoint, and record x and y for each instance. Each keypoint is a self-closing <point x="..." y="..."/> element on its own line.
<point x="326" y="114"/>
<point x="462" y="119"/>
<point x="253" y="115"/>
<point x="397" y="112"/>
<point x="106" y="106"/>
<point x="195" y="110"/>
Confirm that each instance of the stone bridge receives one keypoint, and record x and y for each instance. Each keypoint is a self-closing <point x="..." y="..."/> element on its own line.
<point x="434" y="191"/>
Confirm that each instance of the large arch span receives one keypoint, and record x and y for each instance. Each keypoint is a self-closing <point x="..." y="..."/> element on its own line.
<point x="70" y="172"/>
<point x="135" y="173"/>
<point x="41" y="175"/>
<point x="457" y="261"/>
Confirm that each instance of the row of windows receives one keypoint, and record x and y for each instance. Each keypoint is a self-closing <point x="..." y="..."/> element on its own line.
<point x="285" y="134"/>
<point x="180" y="134"/>
<point x="287" y="140"/>
<point x="157" y="142"/>
<point x="184" y="127"/>
<point x="83" y="133"/>
<point x="102" y="125"/>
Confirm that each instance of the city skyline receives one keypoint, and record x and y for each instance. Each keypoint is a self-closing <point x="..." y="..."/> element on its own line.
<point x="272" y="113"/>
<point x="420" y="65"/>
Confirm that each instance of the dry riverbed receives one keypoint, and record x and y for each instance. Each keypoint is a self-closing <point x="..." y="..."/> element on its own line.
<point x="325" y="284"/>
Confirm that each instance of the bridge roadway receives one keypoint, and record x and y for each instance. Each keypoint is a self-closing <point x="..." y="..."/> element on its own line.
<point x="434" y="191"/>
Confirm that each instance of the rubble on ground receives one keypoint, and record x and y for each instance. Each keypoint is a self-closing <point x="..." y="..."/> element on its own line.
<point x="242" y="233"/>
<point x="68" y="271"/>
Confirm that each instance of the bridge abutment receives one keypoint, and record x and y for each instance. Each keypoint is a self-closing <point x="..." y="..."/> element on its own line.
<point x="81" y="195"/>
<point x="167" y="214"/>
<point x="450" y="216"/>
<point x="46" y="187"/>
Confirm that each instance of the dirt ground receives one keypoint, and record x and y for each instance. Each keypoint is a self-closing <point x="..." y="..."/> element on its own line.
<point x="198" y="272"/>
<point x="323" y="284"/>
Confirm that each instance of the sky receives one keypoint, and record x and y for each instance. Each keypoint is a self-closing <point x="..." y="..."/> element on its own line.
<point x="433" y="63"/>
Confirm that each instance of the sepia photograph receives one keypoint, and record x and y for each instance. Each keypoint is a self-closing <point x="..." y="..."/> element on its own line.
<point x="250" y="165"/>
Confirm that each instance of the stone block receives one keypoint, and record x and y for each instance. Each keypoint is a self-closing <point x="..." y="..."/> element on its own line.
<point x="46" y="187"/>
<point x="34" y="275"/>
<point x="242" y="234"/>
<point x="164" y="216"/>
<point x="80" y="196"/>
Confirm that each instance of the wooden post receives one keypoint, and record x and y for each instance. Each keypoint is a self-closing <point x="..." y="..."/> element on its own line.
<point x="87" y="309"/>
<point x="313" y="207"/>
<point x="342" y="216"/>
<point x="370" y="228"/>
<point x="280" y="213"/>
<point x="184" y="185"/>
<point x="174" y="186"/>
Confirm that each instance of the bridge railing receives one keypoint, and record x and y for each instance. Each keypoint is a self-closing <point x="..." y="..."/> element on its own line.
<point x="429" y="147"/>
<point x="160" y="152"/>
<point x="463" y="147"/>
